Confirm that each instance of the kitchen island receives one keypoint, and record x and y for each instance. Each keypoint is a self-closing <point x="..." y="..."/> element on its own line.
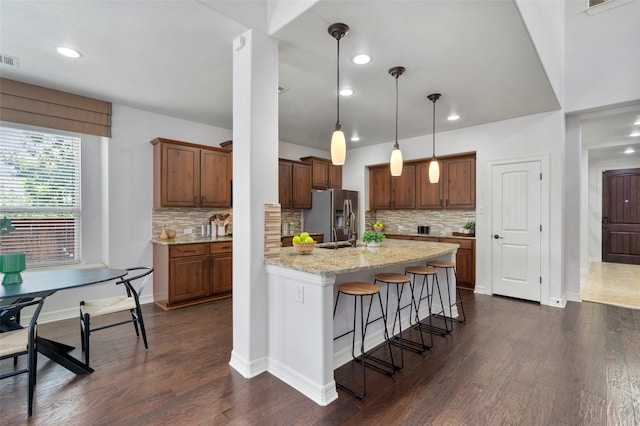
<point x="302" y="290"/>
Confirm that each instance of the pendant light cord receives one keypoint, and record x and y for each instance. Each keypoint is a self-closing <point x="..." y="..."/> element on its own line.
<point x="396" y="111"/>
<point x="434" y="129"/>
<point x="338" y="86"/>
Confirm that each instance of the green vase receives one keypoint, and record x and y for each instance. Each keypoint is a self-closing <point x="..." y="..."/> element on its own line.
<point x="11" y="264"/>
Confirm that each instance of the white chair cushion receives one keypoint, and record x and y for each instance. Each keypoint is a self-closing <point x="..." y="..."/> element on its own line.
<point x="14" y="341"/>
<point x="108" y="305"/>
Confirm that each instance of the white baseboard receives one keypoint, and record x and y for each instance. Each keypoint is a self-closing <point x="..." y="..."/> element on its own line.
<point x="321" y="394"/>
<point x="247" y="368"/>
<point x="573" y="297"/>
<point x="558" y="303"/>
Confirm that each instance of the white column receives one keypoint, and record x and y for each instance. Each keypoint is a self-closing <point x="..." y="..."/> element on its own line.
<point x="255" y="182"/>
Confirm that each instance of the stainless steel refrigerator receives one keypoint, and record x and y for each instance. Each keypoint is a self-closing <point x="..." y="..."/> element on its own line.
<point x="333" y="212"/>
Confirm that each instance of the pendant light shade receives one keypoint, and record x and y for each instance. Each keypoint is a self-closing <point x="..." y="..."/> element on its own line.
<point x="338" y="142"/>
<point x="396" y="155"/>
<point x="434" y="168"/>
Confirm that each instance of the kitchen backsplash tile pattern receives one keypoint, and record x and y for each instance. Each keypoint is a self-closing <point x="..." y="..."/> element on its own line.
<point x="407" y="221"/>
<point x="293" y="218"/>
<point x="272" y="219"/>
<point x="180" y="219"/>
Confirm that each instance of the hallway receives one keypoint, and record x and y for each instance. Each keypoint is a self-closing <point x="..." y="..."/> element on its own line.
<point x="612" y="284"/>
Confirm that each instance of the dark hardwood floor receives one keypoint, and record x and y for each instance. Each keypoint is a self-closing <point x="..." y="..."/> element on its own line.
<point x="513" y="362"/>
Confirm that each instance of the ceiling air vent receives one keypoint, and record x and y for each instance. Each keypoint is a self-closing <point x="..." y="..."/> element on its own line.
<point x="8" y="60"/>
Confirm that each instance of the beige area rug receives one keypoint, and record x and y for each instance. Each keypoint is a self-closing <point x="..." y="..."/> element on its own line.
<point x="612" y="284"/>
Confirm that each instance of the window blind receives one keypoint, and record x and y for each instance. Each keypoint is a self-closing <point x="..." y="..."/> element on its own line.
<point x="40" y="193"/>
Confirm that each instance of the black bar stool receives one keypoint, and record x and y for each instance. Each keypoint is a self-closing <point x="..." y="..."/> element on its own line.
<point x="359" y="290"/>
<point x="426" y="293"/>
<point x="399" y="280"/>
<point x="458" y="302"/>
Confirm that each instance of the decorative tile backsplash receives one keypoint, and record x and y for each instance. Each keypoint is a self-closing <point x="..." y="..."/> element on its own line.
<point x="180" y="219"/>
<point x="272" y="231"/>
<point x="293" y="218"/>
<point x="407" y="221"/>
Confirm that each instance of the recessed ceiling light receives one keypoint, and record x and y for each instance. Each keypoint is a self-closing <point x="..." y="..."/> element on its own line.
<point x="637" y="123"/>
<point x="635" y="134"/>
<point x="629" y="150"/>
<point x="355" y="139"/>
<point x="68" y="52"/>
<point x="361" y="59"/>
<point x="453" y="117"/>
<point x="346" y="92"/>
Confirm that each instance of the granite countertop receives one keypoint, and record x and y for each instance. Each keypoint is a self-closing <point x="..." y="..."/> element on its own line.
<point x="293" y="234"/>
<point x="190" y="239"/>
<point x="330" y="261"/>
<point x="433" y="235"/>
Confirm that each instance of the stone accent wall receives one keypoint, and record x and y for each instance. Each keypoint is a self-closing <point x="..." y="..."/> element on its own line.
<point x="272" y="231"/>
<point x="181" y="218"/>
<point x="407" y="221"/>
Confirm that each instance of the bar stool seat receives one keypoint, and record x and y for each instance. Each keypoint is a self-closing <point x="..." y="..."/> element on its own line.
<point x="359" y="290"/>
<point x="399" y="280"/>
<point x="458" y="302"/>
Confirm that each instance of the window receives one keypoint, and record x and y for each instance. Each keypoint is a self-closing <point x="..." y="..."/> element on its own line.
<point x="40" y="193"/>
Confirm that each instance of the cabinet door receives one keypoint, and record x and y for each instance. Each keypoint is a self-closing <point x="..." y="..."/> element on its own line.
<point x="464" y="267"/>
<point x="301" y="186"/>
<point x="221" y="273"/>
<point x="428" y="195"/>
<point x="189" y="278"/>
<point x="320" y="174"/>
<point x="460" y="188"/>
<point x="335" y="176"/>
<point x="215" y="178"/>
<point x="284" y="184"/>
<point x="404" y="189"/>
<point x="379" y="188"/>
<point x="180" y="175"/>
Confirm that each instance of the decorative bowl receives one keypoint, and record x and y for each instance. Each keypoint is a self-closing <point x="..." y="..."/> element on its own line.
<point x="304" y="248"/>
<point x="171" y="234"/>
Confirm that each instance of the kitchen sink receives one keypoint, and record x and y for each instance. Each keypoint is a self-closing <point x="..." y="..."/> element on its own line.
<point x="334" y="246"/>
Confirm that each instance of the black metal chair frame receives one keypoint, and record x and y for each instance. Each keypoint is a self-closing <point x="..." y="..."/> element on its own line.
<point x="457" y="295"/>
<point x="136" y="314"/>
<point x="13" y="309"/>
<point x="429" y="298"/>
<point x="364" y="356"/>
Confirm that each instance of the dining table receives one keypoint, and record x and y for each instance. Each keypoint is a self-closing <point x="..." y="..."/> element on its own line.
<point x="47" y="282"/>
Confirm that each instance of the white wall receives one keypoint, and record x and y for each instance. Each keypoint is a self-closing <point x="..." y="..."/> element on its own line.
<point x="602" y="60"/>
<point x="290" y="151"/>
<point x="521" y="138"/>
<point x="130" y="197"/>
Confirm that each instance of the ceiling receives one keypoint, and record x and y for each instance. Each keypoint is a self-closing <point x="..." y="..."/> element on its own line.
<point x="175" y="58"/>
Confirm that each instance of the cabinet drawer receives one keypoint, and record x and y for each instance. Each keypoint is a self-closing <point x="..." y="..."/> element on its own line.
<point x="431" y="239"/>
<point x="223" y="247"/>
<point x="464" y="244"/>
<point x="187" y="250"/>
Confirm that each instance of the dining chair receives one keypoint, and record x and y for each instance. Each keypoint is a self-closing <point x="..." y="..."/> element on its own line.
<point x="21" y="340"/>
<point x="136" y="277"/>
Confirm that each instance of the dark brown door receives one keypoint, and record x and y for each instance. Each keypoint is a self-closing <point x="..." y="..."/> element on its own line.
<point x="621" y="216"/>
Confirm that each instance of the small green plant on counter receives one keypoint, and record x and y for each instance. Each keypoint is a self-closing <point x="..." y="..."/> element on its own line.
<point x="470" y="225"/>
<point x="372" y="237"/>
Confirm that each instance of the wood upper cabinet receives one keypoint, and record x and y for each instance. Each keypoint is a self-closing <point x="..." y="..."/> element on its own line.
<point x="379" y="188"/>
<point x="388" y="192"/>
<point x="324" y="174"/>
<point x="294" y="184"/>
<point x="456" y="188"/>
<point x="190" y="175"/>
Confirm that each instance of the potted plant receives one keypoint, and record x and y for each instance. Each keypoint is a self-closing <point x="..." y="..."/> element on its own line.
<point x="11" y="264"/>
<point x="378" y="226"/>
<point x="372" y="238"/>
<point x="470" y="227"/>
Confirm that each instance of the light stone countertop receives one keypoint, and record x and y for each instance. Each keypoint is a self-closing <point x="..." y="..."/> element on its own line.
<point x="190" y="239"/>
<point x="434" y="235"/>
<point x="351" y="259"/>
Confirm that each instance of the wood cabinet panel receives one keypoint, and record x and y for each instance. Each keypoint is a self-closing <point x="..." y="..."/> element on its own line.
<point x="460" y="187"/>
<point x="324" y="174"/>
<point x="379" y="188"/>
<point x="294" y="184"/>
<point x="188" y="278"/>
<point x="190" y="175"/>
<point x="403" y="194"/>
<point x="220" y="268"/>
<point x="428" y="195"/>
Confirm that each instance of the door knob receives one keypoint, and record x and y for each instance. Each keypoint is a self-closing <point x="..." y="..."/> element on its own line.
<point x="496" y="236"/>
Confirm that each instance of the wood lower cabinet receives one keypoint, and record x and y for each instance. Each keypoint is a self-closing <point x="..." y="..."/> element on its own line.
<point x="465" y="256"/>
<point x="187" y="274"/>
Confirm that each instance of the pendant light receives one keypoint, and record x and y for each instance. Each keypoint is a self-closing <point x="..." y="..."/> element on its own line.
<point x="396" y="155"/>
<point x="434" y="168"/>
<point x="338" y="143"/>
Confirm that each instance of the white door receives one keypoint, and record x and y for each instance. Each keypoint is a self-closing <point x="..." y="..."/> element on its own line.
<point x="516" y="228"/>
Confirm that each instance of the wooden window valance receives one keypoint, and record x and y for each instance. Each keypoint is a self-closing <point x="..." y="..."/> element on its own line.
<point x="38" y="106"/>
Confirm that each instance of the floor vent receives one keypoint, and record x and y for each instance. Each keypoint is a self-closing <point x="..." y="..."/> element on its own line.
<point x="8" y="60"/>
